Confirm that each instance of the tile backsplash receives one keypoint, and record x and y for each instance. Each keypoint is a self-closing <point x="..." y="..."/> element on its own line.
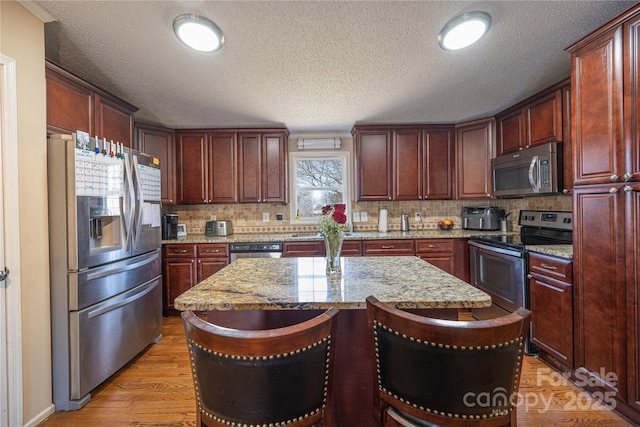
<point x="248" y="217"/>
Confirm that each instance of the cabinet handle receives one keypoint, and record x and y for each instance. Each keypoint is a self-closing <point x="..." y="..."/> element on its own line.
<point x="209" y="251"/>
<point x="613" y="190"/>
<point x="387" y="247"/>
<point x="614" y="177"/>
<point x="192" y="261"/>
<point x="548" y="267"/>
<point x="529" y="276"/>
<point x="566" y="191"/>
<point x="434" y="246"/>
<point x="199" y="261"/>
<point x="628" y="189"/>
<point x="389" y="197"/>
<point x="179" y="251"/>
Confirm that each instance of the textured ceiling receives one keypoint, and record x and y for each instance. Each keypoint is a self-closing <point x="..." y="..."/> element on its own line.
<point x="318" y="66"/>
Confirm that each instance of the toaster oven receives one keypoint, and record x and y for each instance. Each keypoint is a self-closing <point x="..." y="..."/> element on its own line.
<point x="218" y="228"/>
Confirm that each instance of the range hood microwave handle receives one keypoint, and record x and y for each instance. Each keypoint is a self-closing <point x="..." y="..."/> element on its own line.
<point x="534" y="185"/>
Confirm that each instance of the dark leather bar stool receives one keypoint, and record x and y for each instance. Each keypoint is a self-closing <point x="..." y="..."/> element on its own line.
<point x="433" y="372"/>
<point x="274" y="377"/>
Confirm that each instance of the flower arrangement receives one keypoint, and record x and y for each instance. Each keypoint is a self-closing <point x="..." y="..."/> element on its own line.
<point x="333" y="219"/>
<point x="333" y="222"/>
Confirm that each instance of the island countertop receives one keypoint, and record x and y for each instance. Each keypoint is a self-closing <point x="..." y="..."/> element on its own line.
<point x="301" y="283"/>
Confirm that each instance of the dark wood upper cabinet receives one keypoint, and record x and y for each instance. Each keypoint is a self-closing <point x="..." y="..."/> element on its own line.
<point x="223" y="172"/>
<point x="403" y="162"/>
<point x="374" y="165"/>
<point x="597" y="129"/>
<point x="262" y="167"/>
<point x="537" y="120"/>
<point x="474" y="150"/>
<point x="437" y="169"/>
<point x="159" y="142"/>
<point x="74" y="104"/>
<point x="192" y="167"/>
<point x="407" y="164"/>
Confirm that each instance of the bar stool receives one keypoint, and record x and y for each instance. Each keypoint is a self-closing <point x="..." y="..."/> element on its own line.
<point x="273" y="377"/>
<point x="433" y="372"/>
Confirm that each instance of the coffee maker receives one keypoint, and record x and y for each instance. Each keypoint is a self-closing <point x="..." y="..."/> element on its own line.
<point x="169" y="226"/>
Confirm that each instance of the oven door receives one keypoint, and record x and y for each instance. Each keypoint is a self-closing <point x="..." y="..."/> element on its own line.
<point x="500" y="272"/>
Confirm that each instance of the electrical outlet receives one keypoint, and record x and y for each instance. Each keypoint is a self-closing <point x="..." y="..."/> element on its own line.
<point x="265" y="216"/>
<point x="418" y="216"/>
<point x="213" y="218"/>
<point x="364" y="217"/>
<point x="356" y="217"/>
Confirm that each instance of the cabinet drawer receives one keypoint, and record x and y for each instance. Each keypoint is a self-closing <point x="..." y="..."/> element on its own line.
<point x="389" y="247"/>
<point x="434" y="245"/>
<point x="550" y="266"/>
<point x="303" y="249"/>
<point x="180" y="250"/>
<point x="351" y="248"/>
<point x="213" y="250"/>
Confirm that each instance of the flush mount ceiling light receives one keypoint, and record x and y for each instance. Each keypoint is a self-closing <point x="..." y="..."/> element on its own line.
<point x="464" y="30"/>
<point x="198" y="32"/>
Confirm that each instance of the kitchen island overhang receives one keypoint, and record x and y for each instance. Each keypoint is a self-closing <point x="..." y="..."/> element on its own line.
<point x="405" y="282"/>
<point x="263" y="293"/>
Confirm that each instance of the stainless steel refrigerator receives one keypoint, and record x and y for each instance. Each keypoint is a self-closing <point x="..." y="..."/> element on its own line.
<point x="104" y="241"/>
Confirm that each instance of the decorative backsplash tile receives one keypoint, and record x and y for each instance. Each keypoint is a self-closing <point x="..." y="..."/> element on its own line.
<point x="248" y="218"/>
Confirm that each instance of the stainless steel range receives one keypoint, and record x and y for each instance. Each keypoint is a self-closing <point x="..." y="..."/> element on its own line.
<point x="498" y="262"/>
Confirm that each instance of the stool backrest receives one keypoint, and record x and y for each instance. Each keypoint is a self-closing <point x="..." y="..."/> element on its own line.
<point x="262" y="377"/>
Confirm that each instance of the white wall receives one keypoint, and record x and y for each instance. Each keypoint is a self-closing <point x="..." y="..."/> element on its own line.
<point x="22" y="39"/>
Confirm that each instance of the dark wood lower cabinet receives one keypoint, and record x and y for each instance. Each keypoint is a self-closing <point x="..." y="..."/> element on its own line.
<point x="185" y="265"/>
<point x="551" y="298"/>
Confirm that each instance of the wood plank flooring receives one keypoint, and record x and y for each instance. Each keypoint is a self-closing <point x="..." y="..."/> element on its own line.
<point x="156" y="389"/>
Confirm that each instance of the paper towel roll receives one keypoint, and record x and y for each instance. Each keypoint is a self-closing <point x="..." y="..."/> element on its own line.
<point x="382" y="221"/>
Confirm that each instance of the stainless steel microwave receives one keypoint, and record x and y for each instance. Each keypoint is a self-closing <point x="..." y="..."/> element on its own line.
<point x="530" y="172"/>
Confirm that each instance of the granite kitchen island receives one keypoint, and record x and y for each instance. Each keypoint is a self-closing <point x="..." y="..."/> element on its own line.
<point x="258" y="293"/>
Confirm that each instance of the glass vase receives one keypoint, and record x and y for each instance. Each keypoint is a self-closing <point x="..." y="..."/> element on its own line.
<point x="333" y="245"/>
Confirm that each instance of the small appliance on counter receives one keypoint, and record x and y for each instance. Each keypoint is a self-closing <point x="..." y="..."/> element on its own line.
<point x="481" y="218"/>
<point x="169" y="226"/>
<point x="218" y="228"/>
<point x="404" y="223"/>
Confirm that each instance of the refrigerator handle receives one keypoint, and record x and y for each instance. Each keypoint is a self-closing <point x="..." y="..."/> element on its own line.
<point x="129" y="201"/>
<point x="139" y="202"/>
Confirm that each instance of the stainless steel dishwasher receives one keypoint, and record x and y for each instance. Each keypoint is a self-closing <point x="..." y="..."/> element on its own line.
<point x="255" y="250"/>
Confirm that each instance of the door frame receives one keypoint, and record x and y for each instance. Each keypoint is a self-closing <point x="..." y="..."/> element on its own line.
<point x="10" y="289"/>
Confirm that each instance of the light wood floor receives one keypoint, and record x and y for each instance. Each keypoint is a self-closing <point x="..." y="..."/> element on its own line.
<point x="156" y="389"/>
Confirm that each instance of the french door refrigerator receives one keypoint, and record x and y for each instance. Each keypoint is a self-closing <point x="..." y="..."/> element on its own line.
<point x="105" y="265"/>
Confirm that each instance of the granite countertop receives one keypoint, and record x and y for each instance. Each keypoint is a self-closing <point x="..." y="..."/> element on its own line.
<point x="301" y="283"/>
<point x="302" y="236"/>
<point x="561" y="251"/>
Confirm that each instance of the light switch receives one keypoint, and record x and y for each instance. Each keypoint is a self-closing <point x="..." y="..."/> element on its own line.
<point x="364" y="217"/>
<point x="356" y="217"/>
<point x="265" y="216"/>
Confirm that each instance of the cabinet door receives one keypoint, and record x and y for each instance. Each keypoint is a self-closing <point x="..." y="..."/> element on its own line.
<point x="222" y="165"/>
<point x="596" y="106"/>
<point x="544" y="120"/>
<point x="407" y="164"/>
<point x="599" y="276"/>
<point x="274" y="168"/>
<point x="179" y="276"/>
<point x="208" y="266"/>
<point x="113" y="122"/>
<point x="474" y="149"/>
<point x="192" y="168"/>
<point x="374" y="174"/>
<point x="159" y="142"/>
<point x="567" y="141"/>
<point x="249" y="168"/>
<point x="510" y="132"/>
<point x="632" y="101"/>
<point x="437" y="169"/>
<point x="552" y="317"/>
<point x="632" y="228"/>
<point x="69" y="105"/>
